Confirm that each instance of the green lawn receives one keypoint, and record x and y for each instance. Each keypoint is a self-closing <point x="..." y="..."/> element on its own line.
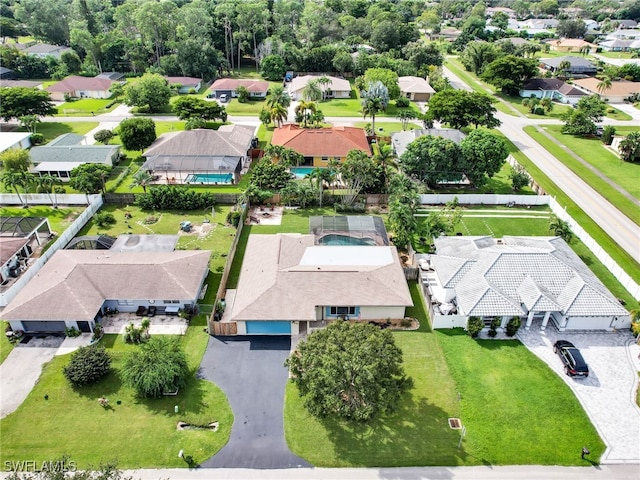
<point x="516" y="102"/>
<point x="498" y="399"/>
<point x="351" y="107"/>
<point x="87" y="107"/>
<point x="515" y="408"/>
<point x="51" y="130"/>
<point x="59" y="218"/>
<point x="593" y="152"/>
<point x="388" y="128"/>
<point x="249" y="108"/>
<point x="5" y="345"/>
<point x="136" y="433"/>
<point x="616" y="54"/>
<point x="622" y="258"/>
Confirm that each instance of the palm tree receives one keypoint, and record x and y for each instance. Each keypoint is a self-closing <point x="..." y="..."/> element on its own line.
<point x="563" y="69"/>
<point x="333" y="167"/>
<point x="374" y="99"/>
<point x="14" y="180"/>
<point x="561" y="228"/>
<point x="47" y="183"/>
<point x="279" y="114"/>
<point x="385" y="157"/>
<point x="317" y="117"/>
<point x="304" y="111"/>
<point x="278" y="96"/>
<point x="323" y="82"/>
<point x="142" y="178"/>
<point x="317" y="177"/>
<point x="312" y="92"/>
<point x="546" y="104"/>
<point x="405" y="116"/>
<point x="629" y="147"/>
<point x="604" y="85"/>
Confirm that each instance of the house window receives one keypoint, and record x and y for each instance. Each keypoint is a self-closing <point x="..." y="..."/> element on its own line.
<point x="337" y="159"/>
<point x="343" y="310"/>
<point x="125" y="302"/>
<point x="169" y="302"/>
<point x="325" y="159"/>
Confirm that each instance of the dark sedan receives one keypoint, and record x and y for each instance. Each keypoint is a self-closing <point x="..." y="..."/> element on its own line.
<point x="574" y="364"/>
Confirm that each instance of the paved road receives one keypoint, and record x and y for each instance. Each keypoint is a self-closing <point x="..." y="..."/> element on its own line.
<point x="250" y="371"/>
<point x="623" y="230"/>
<point x="608" y="394"/>
<point x="524" y="472"/>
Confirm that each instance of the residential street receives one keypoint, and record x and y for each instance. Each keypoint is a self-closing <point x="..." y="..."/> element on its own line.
<point x="623" y="230"/>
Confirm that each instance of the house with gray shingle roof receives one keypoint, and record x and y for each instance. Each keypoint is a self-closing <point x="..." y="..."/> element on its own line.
<point x="578" y="66"/>
<point x="538" y="279"/>
<point x="66" y="152"/>
<point x="552" y="88"/>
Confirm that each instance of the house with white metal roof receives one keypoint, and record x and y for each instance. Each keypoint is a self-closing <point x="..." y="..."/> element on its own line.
<point x="538" y="279"/>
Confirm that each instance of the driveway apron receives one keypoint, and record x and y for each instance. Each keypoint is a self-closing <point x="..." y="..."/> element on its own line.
<point x="250" y="370"/>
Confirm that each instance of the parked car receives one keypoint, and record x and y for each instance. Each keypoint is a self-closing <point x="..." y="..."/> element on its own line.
<point x="224" y="98"/>
<point x="574" y="364"/>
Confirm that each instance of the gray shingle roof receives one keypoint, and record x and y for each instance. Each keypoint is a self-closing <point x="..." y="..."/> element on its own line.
<point x="67" y="149"/>
<point x="228" y="140"/>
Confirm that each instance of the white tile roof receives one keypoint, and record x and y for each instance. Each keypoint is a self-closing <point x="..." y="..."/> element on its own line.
<point x="518" y="275"/>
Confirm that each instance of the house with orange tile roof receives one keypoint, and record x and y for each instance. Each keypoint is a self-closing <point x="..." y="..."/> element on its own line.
<point x="616" y="94"/>
<point x="319" y="145"/>
<point x="572" y="45"/>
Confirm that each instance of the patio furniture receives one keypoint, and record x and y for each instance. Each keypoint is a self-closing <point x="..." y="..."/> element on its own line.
<point x="152" y="311"/>
<point x="172" y="310"/>
<point x="142" y="311"/>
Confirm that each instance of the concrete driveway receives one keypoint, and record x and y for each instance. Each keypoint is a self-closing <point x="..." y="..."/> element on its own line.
<point x="250" y="370"/>
<point x="608" y="394"/>
<point x="19" y="373"/>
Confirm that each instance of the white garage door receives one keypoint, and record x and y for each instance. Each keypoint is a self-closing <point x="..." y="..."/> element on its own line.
<point x="588" y="323"/>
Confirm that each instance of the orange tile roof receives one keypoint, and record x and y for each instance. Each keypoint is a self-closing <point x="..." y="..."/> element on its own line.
<point x="321" y="142"/>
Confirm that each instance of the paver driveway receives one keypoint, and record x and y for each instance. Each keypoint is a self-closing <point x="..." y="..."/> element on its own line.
<point x="608" y="394"/>
<point x="251" y="372"/>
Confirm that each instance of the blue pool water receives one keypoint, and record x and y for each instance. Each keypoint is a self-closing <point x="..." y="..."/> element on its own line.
<point x="301" y="172"/>
<point x="209" y="178"/>
<point x="336" y="239"/>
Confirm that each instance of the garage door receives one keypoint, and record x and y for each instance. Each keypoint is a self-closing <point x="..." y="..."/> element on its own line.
<point x="44" y="326"/>
<point x="588" y="323"/>
<point x="269" y="328"/>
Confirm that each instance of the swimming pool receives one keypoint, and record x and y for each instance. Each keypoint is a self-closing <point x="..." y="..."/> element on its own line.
<point x="337" y="239"/>
<point x="301" y="172"/>
<point x="209" y="178"/>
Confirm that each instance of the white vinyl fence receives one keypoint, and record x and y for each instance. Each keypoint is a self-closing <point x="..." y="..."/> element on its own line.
<point x="61" y="242"/>
<point x="483" y="199"/>
<point x="11" y="199"/>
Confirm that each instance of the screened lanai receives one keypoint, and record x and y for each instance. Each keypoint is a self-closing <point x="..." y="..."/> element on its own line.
<point x="194" y="169"/>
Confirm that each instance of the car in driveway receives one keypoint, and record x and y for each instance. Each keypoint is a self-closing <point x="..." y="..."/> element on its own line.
<point x="574" y="364"/>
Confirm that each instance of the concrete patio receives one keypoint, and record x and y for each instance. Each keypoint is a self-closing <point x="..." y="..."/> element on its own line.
<point x="160" y="324"/>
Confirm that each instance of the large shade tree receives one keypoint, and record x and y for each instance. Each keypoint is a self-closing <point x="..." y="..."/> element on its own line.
<point x="349" y="370"/>
<point x="16" y="102"/>
<point x="460" y="109"/>
<point x="483" y="155"/>
<point x="137" y="133"/>
<point x="151" y="91"/>
<point x="509" y="73"/>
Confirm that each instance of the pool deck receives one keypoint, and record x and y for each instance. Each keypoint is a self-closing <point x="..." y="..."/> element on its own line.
<point x="265" y="216"/>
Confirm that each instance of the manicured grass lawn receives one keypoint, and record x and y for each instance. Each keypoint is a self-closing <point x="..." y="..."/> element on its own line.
<point x="351" y="107"/>
<point x="388" y="128"/>
<point x="500" y="183"/>
<point x="498" y="400"/>
<point x="265" y="134"/>
<point x="616" y="54"/>
<point x="516" y="102"/>
<point x="136" y="433"/>
<point x="622" y="258"/>
<point x="165" y="127"/>
<point x="597" y="155"/>
<point x="5" y="345"/>
<point x="87" y="107"/>
<point x="515" y="408"/>
<point x="51" y="130"/>
<point x="218" y="240"/>
<point x="249" y="108"/>
<point x="59" y="219"/>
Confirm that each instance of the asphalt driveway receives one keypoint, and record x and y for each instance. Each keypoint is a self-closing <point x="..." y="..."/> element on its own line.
<point x="250" y="370"/>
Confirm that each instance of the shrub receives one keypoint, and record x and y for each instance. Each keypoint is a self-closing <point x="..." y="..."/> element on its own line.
<point x="103" y="136"/>
<point x="495" y="322"/>
<point x="87" y="365"/>
<point x="37" y="139"/>
<point x="402" y="102"/>
<point x="233" y="218"/>
<point x="607" y="134"/>
<point x="538" y="111"/>
<point x="512" y="326"/>
<point x="474" y="326"/>
<point x="159" y="366"/>
<point x="136" y="335"/>
<point x="72" y="332"/>
<point x="150" y="220"/>
<point x="104" y="219"/>
<point x="173" y="197"/>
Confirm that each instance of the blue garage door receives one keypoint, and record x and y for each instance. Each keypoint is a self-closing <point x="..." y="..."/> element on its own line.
<point x="269" y="328"/>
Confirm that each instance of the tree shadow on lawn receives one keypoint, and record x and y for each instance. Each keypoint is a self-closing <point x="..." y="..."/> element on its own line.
<point x="417" y="434"/>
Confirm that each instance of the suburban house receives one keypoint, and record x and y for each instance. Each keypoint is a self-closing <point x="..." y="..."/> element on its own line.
<point x="538" y="23"/>
<point x="616" y="94"/>
<point x="80" y="87"/>
<point x="401" y="140"/>
<point x="201" y="156"/>
<point x="20" y="237"/>
<point x="622" y="24"/>
<point x="624" y="34"/>
<point x="572" y="45"/>
<point x="20" y="83"/>
<point x="227" y="86"/>
<point x="509" y="12"/>
<point x="66" y="152"/>
<point x="578" y="66"/>
<point x="9" y="140"/>
<point x="416" y="89"/>
<point x="319" y="145"/>
<point x="289" y="284"/>
<point x="7" y="73"/>
<point x="336" y="88"/>
<point x="538" y="279"/>
<point x="552" y="88"/>
<point x="44" y="50"/>
<point x="187" y="84"/>
<point x="620" y="45"/>
<point x="92" y="281"/>
<point x="113" y="76"/>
